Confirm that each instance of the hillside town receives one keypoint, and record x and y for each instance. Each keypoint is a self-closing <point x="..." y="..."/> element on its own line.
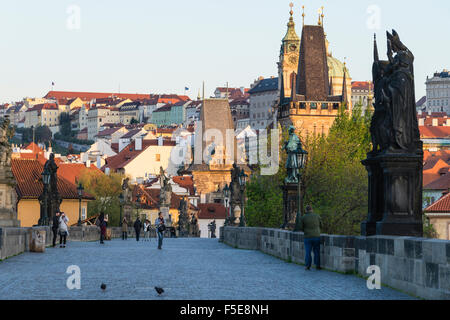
<point x="136" y="135"/>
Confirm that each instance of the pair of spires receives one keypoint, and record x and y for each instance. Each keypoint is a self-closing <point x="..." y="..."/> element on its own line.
<point x="321" y="14"/>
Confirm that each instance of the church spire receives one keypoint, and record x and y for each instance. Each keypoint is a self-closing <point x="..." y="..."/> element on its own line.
<point x="375" y="48"/>
<point x="291" y="35"/>
<point x="344" y="87"/>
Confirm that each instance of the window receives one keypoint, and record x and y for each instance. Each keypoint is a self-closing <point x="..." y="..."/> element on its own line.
<point x="324" y="106"/>
<point x="313" y="105"/>
<point x="158" y="157"/>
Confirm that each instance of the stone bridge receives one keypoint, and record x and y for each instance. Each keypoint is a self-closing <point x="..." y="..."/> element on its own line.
<point x="191" y="269"/>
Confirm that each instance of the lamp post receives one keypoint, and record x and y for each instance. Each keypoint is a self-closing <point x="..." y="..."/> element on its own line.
<point x="226" y="200"/>
<point x="138" y="202"/>
<point x="121" y="201"/>
<point x="43" y="221"/>
<point x="80" y="190"/>
<point x="242" y="182"/>
<point x="302" y="156"/>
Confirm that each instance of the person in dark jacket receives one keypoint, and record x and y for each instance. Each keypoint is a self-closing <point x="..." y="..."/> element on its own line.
<point x="137" y="228"/>
<point x="310" y="224"/>
<point x="55" y="227"/>
<point x="102" y="225"/>
<point x="160" y="228"/>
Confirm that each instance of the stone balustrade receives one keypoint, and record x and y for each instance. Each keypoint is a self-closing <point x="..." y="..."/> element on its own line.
<point x="417" y="266"/>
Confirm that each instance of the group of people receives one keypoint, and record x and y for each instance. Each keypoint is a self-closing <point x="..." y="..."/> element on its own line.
<point x="147" y="227"/>
<point x="60" y="227"/>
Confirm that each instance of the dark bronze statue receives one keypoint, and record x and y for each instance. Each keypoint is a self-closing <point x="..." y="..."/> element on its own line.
<point x="394" y="125"/>
<point x="292" y="147"/>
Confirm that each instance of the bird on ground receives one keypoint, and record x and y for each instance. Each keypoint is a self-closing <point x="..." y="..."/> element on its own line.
<point x="159" y="290"/>
<point x="103" y="286"/>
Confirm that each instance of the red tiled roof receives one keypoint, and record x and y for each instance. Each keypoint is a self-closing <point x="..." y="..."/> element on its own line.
<point x="27" y="173"/>
<point x="86" y="96"/>
<point x="429" y="132"/>
<point x="442" y="205"/>
<point x="108" y="132"/>
<point x="40" y="107"/>
<point x="72" y="171"/>
<point x="129" y="153"/>
<point x="185" y="182"/>
<point x="212" y="211"/>
<point x="442" y="183"/>
<point x="362" y="85"/>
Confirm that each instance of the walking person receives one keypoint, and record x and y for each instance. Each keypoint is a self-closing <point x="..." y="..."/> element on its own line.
<point x="101" y="223"/>
<point x="124" y="229"/>
<point x="55" y="227"/>
<point x="147" y="227"/>
<point x="160" y="228"/>
<point x="137" y="228"/>
<point x="310" y="224"/>
<point x="63" y="230"/>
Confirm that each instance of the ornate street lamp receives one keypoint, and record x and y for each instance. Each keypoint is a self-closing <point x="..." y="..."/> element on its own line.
<point x="242" y="182"/>
<point x="226" y="200"/>
<point x="302" y="157"/>
<point x="80" y="190"/>
<point x="121" y="202"/>
<point x="43" y="221"/>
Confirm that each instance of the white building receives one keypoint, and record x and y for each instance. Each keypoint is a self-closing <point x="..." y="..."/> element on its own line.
<point x="264" y="96"/>
<point x="438" y="92"/>
<point x="209" y="212"/>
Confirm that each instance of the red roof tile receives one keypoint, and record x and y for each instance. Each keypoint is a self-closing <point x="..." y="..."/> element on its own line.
<point x="27" y="173"/>
<point x="442" y="205"/>
<point x="429" y="132"/>
<point x="212" y="211"/>
<point x="442" y="183"/>
<point x="72" y="171"/>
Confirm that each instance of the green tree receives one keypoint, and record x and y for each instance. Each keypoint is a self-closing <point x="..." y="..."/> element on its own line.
<point x="65" y="127"/>
<point x="106" y="190"/>
<point x="134" y="121"/>
<point x="335" y="181"/>
<point x="264" y="205"/>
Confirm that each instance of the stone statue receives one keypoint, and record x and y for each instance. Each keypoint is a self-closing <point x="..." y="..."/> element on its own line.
<point x="166" y="189"/>
<point x="235" y="190"/>
<point x="293" y="147"/>
<point x="212" y="227"/>
<point x="395" y="165"/>
<point x="6" y="132"/>
<point x="52" y="169"/>
<point x="183" y="220"/>
<point x="394" y="125"/>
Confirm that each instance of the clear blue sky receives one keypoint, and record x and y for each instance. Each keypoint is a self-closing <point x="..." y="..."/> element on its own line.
<point x="162" y="46"/>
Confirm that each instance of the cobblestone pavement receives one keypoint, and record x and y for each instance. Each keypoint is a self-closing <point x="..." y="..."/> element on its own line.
<point x="191" y="269"/>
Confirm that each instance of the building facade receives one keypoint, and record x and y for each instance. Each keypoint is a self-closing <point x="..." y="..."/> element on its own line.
<point x="438" y="92"/>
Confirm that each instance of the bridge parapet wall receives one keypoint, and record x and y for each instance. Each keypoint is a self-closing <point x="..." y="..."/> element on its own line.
<point x="418" y="266"/>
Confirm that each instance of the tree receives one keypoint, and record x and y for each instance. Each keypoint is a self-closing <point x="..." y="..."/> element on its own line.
<point x="43" y="134"/>
<point x="335" y="181"/>
<point x="106" y="190"/>
<point x="134" y="121"/>
<point x="264" y="205"/>
<point x="65" y="126"/>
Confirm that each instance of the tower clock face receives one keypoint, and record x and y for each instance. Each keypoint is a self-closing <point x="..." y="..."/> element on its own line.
<point x="293" y="59"/>
<point x="293" y="47"/>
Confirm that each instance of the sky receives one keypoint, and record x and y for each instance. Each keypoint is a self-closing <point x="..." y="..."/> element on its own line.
<point x="138" y="46"/>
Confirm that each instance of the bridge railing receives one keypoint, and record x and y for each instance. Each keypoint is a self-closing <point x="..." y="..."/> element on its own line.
<point x="418" y="266"/>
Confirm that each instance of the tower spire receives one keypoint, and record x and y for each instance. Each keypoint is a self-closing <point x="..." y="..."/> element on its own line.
<point x="291" y="35"/>
<point x="344" y="86"/>
<point x="375" y="48"/>
<point x="303" y="15"/>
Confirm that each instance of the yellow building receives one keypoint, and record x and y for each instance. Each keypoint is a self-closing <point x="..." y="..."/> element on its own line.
<point x="27" y="173"/>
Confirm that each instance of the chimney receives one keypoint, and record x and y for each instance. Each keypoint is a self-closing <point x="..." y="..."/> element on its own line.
<point x="448" y="123"/>
<point x="99" y="162"/>
<point x="88" y="163"/>
<point x="435" y="122"/>
<point x="421" y="122"/>
<point x="160" y="141"/>
<point x="138" y="143"/>
<point x="243" y="90"/>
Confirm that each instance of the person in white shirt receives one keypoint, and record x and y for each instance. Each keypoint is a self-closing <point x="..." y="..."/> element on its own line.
<point x="63" y="229"/>
<point x="147" y="227"/>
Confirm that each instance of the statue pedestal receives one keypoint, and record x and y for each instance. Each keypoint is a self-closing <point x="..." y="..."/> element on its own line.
<point x="395" y="195"/>
<point x="290" y="199"/>
<point x="8" y="198"/>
